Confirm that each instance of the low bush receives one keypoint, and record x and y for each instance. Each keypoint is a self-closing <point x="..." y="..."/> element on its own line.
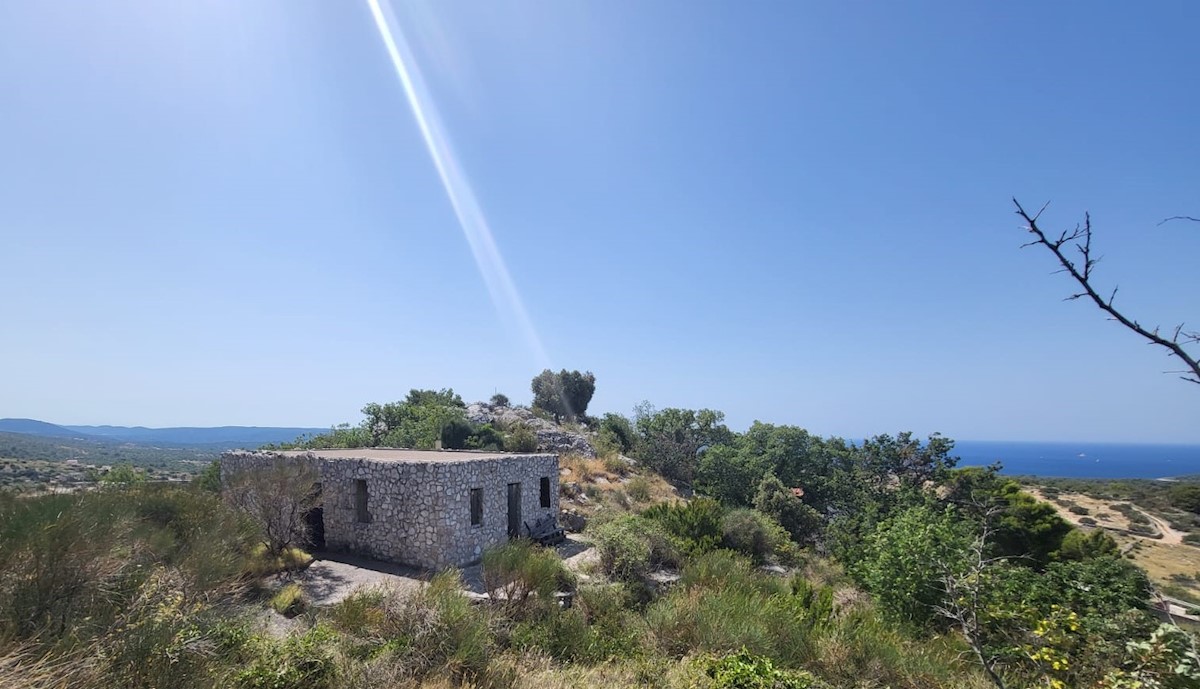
<point x="260" y="562"/>
<point x="524" y="576"/>
<point x="722" y="605"/>
<point x="301" y="661"/>
<point x="757" y="536"/>
<point x="745" y="670"/>
<point x="289" y="601"/>
<point x="521" y="438"/>
<point x="1078" y="509"/>
<point x="631" y="546"/>
<point x="695" y="525"/>
<point x="638" y="489"/>
<point x="614" y="464"/>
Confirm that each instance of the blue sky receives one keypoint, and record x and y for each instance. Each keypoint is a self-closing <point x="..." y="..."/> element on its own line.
<point x="225" y="213"/>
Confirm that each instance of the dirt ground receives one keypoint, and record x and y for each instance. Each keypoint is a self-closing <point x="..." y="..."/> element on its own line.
<point x="334" y="576"/>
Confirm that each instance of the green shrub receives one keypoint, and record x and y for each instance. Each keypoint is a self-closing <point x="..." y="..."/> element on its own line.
<point x="455" y="434"/>
<point x="359" y="613"/>
<point x="695" y="525"/>
<point x="744" y="670"/>
<point x="260" y="562"/>
<point x="289" y="601"/>
<point x="638" y="489"/>
<point x="1192" y="538"/>
<point x="756" y="535"/>
<point x="722" y="605"/>
<point x="499" y="400"/>
<point x="521" y="439"/>
<point x="302" y="661"/>
<point x="631" y="546"/>
<point x="524" y="576"/>
<point x="486" y="438"/>
<point x="613" y="464"/>
<point x="1078" y="509"/>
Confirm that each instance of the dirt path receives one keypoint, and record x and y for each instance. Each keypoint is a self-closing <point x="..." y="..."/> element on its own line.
<point x="1169" y="535"/>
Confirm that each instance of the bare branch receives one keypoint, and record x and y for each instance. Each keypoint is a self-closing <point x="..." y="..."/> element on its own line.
<point x="1167" y="220"/>
<point x="1084" y="276"/>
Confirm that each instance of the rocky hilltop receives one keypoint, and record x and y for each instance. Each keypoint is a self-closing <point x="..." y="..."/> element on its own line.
<point x="551" y="436"/>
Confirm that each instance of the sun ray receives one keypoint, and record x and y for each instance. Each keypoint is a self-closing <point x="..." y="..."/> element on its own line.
<point x="471" y="220"/>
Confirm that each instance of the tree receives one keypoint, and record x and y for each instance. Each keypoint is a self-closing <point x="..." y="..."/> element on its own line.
<point x="906" y="558"/>
<point x="276" y="496"/>
<point x="784" y="506"/>
<point x="565" y="394"/>
<point x="123" y="474"/>
<point x="1081" y="239"/>
<point x="500" y="400"/>
<point x="670" y="440"/>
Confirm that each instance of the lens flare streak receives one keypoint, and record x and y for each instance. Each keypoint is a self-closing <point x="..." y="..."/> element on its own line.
<point x="490" y="263"/>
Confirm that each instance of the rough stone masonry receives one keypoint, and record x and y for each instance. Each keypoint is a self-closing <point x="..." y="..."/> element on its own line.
<point x="416" y="507"/>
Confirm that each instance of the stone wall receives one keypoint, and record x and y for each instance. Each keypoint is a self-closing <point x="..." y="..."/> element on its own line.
<point x="420" y="511"/>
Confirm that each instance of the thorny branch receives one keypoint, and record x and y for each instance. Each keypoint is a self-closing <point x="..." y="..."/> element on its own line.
<point x="1081" y="239"/>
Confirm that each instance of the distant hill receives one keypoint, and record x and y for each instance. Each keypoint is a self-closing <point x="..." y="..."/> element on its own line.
<point x="225" y="436"/>
<point x="221" y="437"/>
<point x="35" y="427"/>
<point x="100" y="451"/>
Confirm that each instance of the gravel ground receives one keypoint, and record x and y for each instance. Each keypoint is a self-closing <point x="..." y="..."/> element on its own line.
<point x="333" y="576"/>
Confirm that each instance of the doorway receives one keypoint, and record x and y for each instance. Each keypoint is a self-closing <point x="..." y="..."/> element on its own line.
<point x="514" y="510"/>
<point x="314" y="520"/>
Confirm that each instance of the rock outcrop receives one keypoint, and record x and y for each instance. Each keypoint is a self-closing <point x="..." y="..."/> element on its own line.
<point x="551" y="437"/>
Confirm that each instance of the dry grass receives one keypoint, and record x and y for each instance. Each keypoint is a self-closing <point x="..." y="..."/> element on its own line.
<point x="607" y="488"/>
<point x="1163" y="561"/>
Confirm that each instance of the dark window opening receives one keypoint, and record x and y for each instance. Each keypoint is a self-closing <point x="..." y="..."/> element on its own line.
<point x="514" y="510"/>
<point x="545" y="492"/>
<point x="476" y="506"/>
<point x="360" y="501"/>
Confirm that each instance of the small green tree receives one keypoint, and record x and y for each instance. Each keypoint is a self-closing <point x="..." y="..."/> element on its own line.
<point x="906" y="558"/>
<point x="775" y="500"/>
<point x="499" y="400"/>
<point x="455" y="434"/>
<point x="123" y="475"/>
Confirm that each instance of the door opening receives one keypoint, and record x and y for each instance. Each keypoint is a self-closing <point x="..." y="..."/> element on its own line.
<point x="514" y="510"/>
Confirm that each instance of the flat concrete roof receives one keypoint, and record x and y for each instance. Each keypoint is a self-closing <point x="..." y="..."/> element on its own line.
<point x="395" y="455"/>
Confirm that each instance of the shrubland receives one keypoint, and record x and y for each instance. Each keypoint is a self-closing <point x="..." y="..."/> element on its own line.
<point x="795" y="561"/>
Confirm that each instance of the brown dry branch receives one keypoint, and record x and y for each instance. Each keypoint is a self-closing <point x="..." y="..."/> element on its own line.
<point x="1081" y="239"/>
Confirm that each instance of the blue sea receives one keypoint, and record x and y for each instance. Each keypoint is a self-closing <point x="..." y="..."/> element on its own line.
<point x="1082" y="460"/>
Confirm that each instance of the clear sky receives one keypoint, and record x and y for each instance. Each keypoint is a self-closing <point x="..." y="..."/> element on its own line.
<point x="226" y="213"/>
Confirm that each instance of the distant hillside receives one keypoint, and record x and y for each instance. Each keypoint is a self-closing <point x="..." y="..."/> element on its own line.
<point x="225" y="436"/>
<point x="35" y="427"/>
<point x="221" y="437"/>
<point x="99" y="451"/>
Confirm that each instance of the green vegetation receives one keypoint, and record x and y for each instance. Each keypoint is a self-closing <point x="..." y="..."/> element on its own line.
<point x="564" y="395"/>
<point x="801" y="561"/>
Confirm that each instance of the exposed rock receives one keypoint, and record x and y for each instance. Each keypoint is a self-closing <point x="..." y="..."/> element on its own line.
<point x="564" y="442"/>
<point x="661" y="580"/>
<point x="551" y="437"/>
<point x="572" y="521"/>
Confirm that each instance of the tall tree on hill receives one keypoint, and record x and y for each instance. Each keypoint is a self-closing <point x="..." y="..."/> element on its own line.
<point x="565" y="394"/>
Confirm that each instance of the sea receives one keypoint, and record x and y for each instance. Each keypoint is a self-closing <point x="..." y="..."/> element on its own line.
<point x="1081" y="459"/>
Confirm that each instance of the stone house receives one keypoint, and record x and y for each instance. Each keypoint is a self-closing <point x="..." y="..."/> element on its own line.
<point x="429" y="509"/>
